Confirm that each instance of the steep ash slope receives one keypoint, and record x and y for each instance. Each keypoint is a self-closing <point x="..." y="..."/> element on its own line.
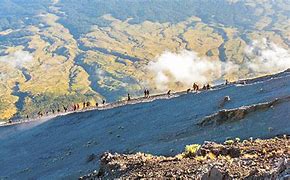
<point x="60" y="147"/>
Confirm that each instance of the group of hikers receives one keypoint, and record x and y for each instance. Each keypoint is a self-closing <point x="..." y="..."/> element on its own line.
<point x="74" y="107"/>
<point x="195" y="87"/>
<point x="87" y="105"/>
<point x="146" y="94"/>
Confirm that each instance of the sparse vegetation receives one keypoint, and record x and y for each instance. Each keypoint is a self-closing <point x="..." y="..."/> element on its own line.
<point x="190" y="150"/>
<point x="263" y="159"/>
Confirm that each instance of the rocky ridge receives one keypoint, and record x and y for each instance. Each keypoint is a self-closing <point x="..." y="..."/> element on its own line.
<point x="249" y="159"/>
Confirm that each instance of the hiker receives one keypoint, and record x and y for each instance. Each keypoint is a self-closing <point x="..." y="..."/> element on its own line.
<point x="145" y="93"/>
<point x="84" y="105"/>
<point x="195" y="87"/>
<point x="74" y="107"/>
<point x="104" y="101"/>
<point x="129" y="98"/>
<point x="188" y="90"/>
<point x="52" y="111"/>
<point x="58" y="110"/>
<point x="27" y="117"/>
<point x="169" y="92"/>
<point x="208" y="87"/>
<point x="88" y="104"/>
<point x="40" y="114"/>
<point x="227" y="82"/>
<point x="97" y="104"/>
<point x="65" y="109"/>
<point x="78" y="106"/>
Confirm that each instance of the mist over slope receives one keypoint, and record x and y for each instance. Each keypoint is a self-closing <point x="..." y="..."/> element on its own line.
<point x="60" y="147"/>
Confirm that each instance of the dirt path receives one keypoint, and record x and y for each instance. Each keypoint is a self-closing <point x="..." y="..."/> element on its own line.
<point x="100" y="107"/>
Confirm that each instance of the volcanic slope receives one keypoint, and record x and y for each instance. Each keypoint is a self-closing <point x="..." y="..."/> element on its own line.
<point x="62" y="147"/>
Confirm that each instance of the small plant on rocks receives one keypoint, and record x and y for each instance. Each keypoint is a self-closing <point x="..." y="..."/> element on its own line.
<point x="191" y="150"/>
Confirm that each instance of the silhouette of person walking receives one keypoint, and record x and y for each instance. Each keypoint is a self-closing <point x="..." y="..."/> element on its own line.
<point x="65" y="108"/>
<point x="195" y="87"/>
<point x="227" y="82"/>
<point x="208" y="87"/>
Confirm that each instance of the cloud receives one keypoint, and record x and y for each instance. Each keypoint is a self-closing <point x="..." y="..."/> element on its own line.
<point x="17" y="59"/>
<point x="266" y="58"/>
<point x="187" y="67"/>
<point x="184" y="67"/>
<point x="232" y="1"/>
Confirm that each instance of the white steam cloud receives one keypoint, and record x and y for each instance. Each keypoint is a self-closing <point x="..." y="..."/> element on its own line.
<point x="184" y="67"/>
<point x="187" y="67"/>
<point x="266" y="57"/>
<point x="17" y="59"/>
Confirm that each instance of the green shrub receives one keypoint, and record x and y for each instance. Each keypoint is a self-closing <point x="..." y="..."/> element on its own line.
<point x="190" y="150"/>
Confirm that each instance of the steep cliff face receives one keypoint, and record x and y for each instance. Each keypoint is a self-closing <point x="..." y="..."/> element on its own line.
<point x="69" y="146"/>
<point x="250" y="159"/>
